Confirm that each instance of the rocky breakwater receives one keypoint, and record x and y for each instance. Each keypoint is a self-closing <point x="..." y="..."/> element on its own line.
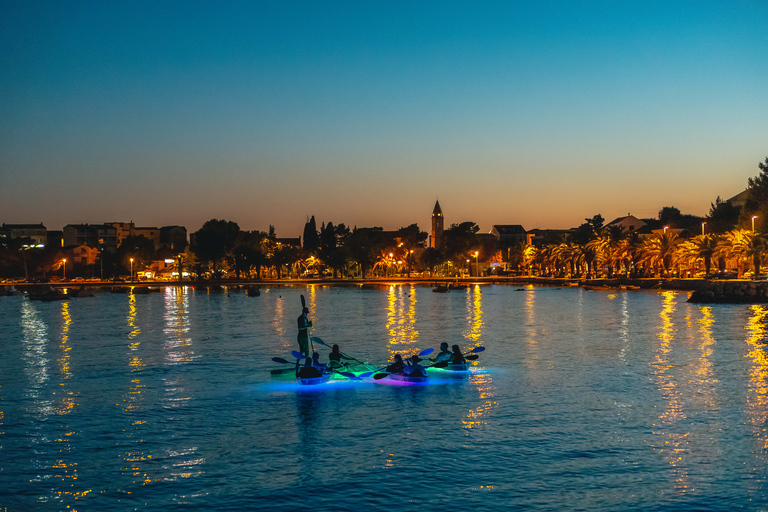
<point x="730" y="292"/>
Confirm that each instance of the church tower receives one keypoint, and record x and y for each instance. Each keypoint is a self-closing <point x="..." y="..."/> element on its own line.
<point x="437" y="226"/>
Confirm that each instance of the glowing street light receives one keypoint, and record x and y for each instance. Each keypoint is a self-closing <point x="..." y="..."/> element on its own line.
<point x="666" y="228"/>
<point x="477" y="268"/>
<point x="702" y="227"/>
<point x="64" y="268"/>
<point x="131" y="269"/>
<point x="753" y="222"/>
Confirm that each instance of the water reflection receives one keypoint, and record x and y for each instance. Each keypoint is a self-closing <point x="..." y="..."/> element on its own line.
<point x="66" y="397"/>
<point x="757" y="396"/>
<point x="177" y="343"/>
<point x="674" y="442"/>
<point x="482" y="381"/>
<point x="35" y="356"/>
<point x="401" y="319"/>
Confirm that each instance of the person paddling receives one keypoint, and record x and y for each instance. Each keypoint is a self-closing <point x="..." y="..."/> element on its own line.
<point x="308" y="371"/>
<point x="456" y="356"/>
<point x="303" y="336"/>
<point x="397" y="366"/>
<point x="414" y="369"/>
<point x="335" y="357"/>
<point x="316" y="362"/>
<point x="444" y="354"/>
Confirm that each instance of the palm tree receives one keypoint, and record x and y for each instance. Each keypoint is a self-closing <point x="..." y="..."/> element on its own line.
<point x="746" y="244"/>
<point x="660" y="250"/>
<point x="704" y="247"/>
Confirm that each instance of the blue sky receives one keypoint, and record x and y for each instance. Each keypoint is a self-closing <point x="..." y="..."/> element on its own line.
<point x="532" y="113"/>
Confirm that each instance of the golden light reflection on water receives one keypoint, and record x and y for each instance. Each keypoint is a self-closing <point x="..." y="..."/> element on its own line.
<point x="35" y="356"/>
<point x="674" y="443"/>
<point x="401" y="319"/>
<point x="66" y="401"/>
<point x="130" y="400"/>
<point x="482" y="381"/>
<point x="474" y="329"/>
<point x="177" y="343"/>
<point x="757" y="396"/>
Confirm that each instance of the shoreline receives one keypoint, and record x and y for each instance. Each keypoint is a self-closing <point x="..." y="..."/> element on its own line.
<point x="703" y="291"/>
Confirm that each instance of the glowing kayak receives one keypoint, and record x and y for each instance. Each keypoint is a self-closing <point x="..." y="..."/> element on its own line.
<point x="313" y="381"/>
<point x="456" y="367"/>
<point x="413" y="379"/>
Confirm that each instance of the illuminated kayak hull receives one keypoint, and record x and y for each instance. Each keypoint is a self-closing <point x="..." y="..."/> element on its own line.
<point x="313" y="381"/>
<point x="410" y="379"/>
<point x="457" y="367"/>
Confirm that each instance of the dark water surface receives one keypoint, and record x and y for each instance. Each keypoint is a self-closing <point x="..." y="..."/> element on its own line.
<point x="583" y="400"/>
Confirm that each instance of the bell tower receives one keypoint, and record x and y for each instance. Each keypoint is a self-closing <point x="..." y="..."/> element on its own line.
<point x="437" y="226"/>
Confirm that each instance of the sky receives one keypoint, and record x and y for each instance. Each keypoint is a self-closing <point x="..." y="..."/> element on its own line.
<point x="539" y="113"/>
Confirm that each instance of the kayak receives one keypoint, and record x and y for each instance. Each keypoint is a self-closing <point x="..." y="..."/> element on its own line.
<point x="457" y="367"/>
<point x="412" y="379"/>
<point x="313" y="381"/>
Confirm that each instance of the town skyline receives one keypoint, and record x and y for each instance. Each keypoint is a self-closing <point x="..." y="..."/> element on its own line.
<point x="529" y="113"/>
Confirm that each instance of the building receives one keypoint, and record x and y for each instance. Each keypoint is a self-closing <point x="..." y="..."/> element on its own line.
<point x="740" y="199"/>
<point x="509" y="232"/>
<point x="37" y="232"/>
<point x="627" y="224"/>
<point x="438" y="222"/>
<point x="103" y="236"/>
<point x="173" y="238"/>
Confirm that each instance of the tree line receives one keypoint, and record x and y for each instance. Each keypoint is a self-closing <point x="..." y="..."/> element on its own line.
<point x="681" y="245"/>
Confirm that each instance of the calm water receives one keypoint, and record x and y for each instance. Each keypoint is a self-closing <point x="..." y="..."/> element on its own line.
<point x="583" y="400"/>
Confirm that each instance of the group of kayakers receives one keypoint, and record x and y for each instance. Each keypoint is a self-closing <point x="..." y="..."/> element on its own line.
<point x="410" y="366"/>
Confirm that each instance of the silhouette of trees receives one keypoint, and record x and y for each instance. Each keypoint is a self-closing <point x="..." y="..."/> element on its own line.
<point x="213" y="242"/>
<point x="140" y="248"/>
<point x="364" y="244"/>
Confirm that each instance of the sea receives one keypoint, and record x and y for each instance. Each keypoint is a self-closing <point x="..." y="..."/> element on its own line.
<point x="598" y="400"/>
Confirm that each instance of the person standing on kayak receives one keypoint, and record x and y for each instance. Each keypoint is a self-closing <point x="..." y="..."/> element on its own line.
<point x="303" y="337"/>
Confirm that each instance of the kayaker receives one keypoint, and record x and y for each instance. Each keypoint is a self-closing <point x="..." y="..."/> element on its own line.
<point x="414" y="369"/>
<point x="397" y="366"/>
<point x="308" y="371"/>
<point x="303" y="337"/>
<point x="444" y="354"/>
<point x="456" y="356"/>
<point x="316" y="362"/>
<point x="336" y="355"/>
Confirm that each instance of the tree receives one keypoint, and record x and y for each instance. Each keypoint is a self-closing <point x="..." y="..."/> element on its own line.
<point x="213" y="241"/>
<point x="723" y="216"/>
<point x="139" y="248"/>
<point x="412" y="239"/>
<point x="331" y="250"/>
<point x="311" y="240"/>
<point x="459" y="240"/>
<point x="756" y="204"/>
<point x="247" y="252"/>
<point x="363" y="245"/>
<point x="432" y="257"/>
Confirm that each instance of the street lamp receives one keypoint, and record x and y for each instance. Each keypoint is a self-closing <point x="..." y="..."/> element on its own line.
<point x="477" y="268"/>
<point x="666" y="228"/>
<point x="753" y="222"/>
<point x="131" y="269"/>
<point x="64" y="268"/>
<point x="702" y="227"/>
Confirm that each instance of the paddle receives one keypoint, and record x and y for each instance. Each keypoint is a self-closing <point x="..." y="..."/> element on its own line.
<point x="298" y="355"/>
<point x="315" y="339"/>
<point x="423" y="353"/>
<point x="281" y="360"/>
<point x="441" y="364"/>
<point x="472" y="357"/>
